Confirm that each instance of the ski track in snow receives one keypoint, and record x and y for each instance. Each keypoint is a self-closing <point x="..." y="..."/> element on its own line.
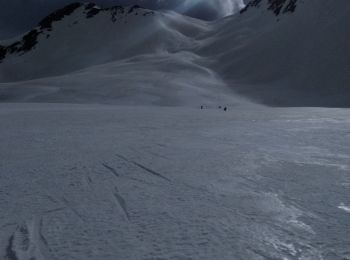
<point x="111" y="169"/>
<point x="241" y="184"/>
<point x="148" y="170"/>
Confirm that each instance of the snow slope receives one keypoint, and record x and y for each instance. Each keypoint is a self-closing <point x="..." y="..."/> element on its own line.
<point x="113" y="182"/>
<point x="80" y="36"/>
<point x="279" y="53"/>
<point x="115" y="55"/>
<point x="295" y="55"/>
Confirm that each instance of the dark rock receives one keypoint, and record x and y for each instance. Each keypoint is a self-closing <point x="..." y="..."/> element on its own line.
<point x="58" y="15"/>
<point x="3" y="52"/>
<point x="92" y="12"/>
<point x="27" y="43"/>
<point x="291" y="6"/>
<point x="276" y="6"/>
<point x="133" y="8"/>
<point x="114" y="12"/>
<point x="30" y="40"/>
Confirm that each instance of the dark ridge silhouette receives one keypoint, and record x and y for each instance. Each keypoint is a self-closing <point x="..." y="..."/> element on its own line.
<point x="276" y="6"/>
<point x="90" y="5"/>
<point x="133" y="8"/>
<point x="291" y="6"/>
<point x="27" y="43"/>
<point x="3" y="52"/>
<point x="58" y="15"/>
<point x="30" y="40"/>
<point x="92" y="10"/>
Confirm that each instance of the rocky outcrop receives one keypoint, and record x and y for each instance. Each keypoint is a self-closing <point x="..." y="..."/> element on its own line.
<point x="30" y="39"/>
<point x="27" y="43"/>
<point x="276" y="6"/>
<point x="58" y="15"/>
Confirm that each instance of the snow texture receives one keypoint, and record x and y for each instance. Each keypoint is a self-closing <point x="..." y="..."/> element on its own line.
<point x="113" y="182"/>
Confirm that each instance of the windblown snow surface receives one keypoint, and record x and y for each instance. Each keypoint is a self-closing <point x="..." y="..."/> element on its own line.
<point x="106" y="152"/>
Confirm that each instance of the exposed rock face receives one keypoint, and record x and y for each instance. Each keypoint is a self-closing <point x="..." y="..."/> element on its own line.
<point x="30" y="40"/>
<point x="276" y="6"/>
<point x="3" y="52"/>
<point x="92" y="10"/>
<point x="27" y="43"/>
<point x="58" y="15"/>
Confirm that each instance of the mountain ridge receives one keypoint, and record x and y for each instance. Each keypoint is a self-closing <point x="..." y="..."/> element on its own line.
<point x="257" y="54"/>
<point x="276" y="6"/>
<point x="30" y="39"/>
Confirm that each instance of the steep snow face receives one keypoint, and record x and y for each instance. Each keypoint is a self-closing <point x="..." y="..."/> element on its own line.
<point x="289" y="56"/>
<point x="79" y="36"/>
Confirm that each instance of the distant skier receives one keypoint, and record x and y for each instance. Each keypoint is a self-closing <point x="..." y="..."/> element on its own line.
<point x="225" y="109"/>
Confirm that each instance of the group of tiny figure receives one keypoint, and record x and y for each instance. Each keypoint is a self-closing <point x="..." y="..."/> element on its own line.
<point x="219" y="107"/>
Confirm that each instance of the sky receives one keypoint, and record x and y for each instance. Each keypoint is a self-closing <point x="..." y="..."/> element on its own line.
<point x="18" y="16"/>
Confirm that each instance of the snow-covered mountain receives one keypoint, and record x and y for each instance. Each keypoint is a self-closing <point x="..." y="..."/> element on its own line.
<point x="286" y="52"/>
<point x="131" y="55"/>
<point x="18" y="16"/>
<point x="276" y="52"/>
<point x="119" y="177"/>
<point x="82" y="35"/>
